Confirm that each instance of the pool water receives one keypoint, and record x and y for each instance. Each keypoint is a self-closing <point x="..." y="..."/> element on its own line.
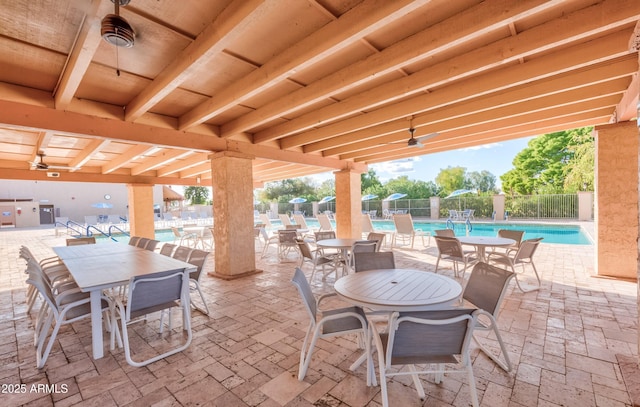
<point x="561" y="234"/>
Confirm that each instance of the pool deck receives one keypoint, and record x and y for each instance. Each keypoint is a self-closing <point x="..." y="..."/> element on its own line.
<point x="567" y="342"/>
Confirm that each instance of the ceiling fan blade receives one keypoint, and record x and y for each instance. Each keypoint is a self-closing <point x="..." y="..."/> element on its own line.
<point x="427" y="137"/>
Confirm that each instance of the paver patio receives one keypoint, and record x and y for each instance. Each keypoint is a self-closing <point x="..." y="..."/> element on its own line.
<point x="563" y="341"/>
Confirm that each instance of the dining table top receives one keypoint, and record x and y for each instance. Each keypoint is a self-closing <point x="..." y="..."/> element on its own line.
<point x="337" y="243"/>
<point x="105" y="265"/>
<point x="398" y="290"/>
<point x="486" y="241"/>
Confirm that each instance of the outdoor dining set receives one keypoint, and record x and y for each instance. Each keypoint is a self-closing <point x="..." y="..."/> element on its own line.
<point x="407" y="316"/>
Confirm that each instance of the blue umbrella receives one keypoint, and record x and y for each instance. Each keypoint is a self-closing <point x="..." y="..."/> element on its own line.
<point x="395" y="196"/>
<point x="102" y="205"/>
<point x="369" y="197"/>
<point x="297" y="200"/>
<point x="327" y="199"/>
<point x="458" y="192"/>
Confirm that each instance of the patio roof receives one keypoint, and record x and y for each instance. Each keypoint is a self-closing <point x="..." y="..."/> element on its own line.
<point x="305" y="87"/>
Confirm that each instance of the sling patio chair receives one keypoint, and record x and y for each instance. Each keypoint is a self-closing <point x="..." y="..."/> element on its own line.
<point x="426" y="342"/>
<point x="76" y="241"/>
<point x="148" y="294"/>
<point x="324" y="221"/>
<point x="516" y="235"/>
<point x="317" y="260"/>
<point x="450" y="248"/>
<point x="198" y="258"/>
<point x="330" y="323"/>
<point x="522" y="257"/>
<point x="485" y="290"/>
<point x="445" y="232"/>
<point x="405" y="230"/>
<point x="373" y="261"/>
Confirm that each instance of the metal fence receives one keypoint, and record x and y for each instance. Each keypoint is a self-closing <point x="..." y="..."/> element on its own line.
<point x="560" y="206"/>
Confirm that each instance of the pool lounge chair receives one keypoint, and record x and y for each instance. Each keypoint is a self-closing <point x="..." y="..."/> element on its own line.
<point x="324" y="221"/>
<point x="405" y="230"/>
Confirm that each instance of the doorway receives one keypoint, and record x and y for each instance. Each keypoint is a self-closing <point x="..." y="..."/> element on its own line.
<point x="47" y="215"/>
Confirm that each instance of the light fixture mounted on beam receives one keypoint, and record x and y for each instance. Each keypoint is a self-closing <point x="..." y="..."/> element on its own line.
<point x="115" y="29"/>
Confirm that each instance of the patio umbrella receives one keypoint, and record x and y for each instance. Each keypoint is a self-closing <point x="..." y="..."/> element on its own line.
<point x="296" y="201"/>
<point x="459" y="192"/>
<point x="327" y="199"/>
<point x="367" y="198"/>
<point x="393" y="197"/>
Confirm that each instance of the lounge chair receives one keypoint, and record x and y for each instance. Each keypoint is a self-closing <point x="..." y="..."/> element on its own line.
<point x="286" y="221"/>
<point x="405" y="230"/>
<point x="325" y="222"/>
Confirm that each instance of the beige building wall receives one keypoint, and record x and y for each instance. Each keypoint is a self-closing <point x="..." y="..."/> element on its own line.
<point x="72" y="200"/>
<point x="616" y="200"/>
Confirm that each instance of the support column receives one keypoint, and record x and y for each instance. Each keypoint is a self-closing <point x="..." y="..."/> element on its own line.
<point x="434" y="203"/>
<point x="141" y="217"/>
<point x="232" y="180"/>
<point x="616" y="206"/>
<point x="348" y="204"/>
<point x="498" y="207"/>
<point x="585" y="205"/>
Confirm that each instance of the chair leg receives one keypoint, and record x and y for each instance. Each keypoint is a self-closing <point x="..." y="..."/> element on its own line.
<point x="204" y="310"/>
<point x="472" y="385"/>
<point x="526" y="290"/>
<point x="416" y="382"/>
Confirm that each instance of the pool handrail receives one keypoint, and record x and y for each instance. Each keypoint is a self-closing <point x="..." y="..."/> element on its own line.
<point x="90" y="233"/>
<point x="118" y="229"/>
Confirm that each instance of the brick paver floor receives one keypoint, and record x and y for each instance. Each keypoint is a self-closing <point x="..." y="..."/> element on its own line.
<point x="563" y="340"/>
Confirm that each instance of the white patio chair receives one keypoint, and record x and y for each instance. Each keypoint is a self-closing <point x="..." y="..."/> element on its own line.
<point x="426" y="338"/>
<point x="152" y="293"/>
<point x="198" y="259"/>
<point x="522" y="257"/>
<point x="405" y="230"/>
<point x="324" y="221"/>
<point x="516" y="235"/>
<point x="182" y="238"/>
<point x="485" y="290"/>
<point x="317" y="260"/>
<point x="334" y="322"/>
<point x="449" y="248"/>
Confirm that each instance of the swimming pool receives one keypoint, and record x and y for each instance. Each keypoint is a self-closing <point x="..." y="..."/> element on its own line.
<point x="552" y="233"/>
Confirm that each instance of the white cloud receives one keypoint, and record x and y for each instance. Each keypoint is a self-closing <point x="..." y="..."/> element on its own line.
<point x="484" y="146"/>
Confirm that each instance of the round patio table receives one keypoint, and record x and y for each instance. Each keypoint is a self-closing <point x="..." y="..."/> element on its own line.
<point x="482" y="242"/>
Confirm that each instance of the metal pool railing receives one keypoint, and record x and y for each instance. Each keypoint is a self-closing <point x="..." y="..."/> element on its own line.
<point x="558" y="206"/>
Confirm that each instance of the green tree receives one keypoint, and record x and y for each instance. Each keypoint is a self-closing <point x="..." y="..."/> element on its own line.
<point x="287" y="189"/>
<point x="326" y="188"/>
<point x="452" y="178"/>
<point x="541" y="168"/>
<point x="579" y="172"/>
<point x="483" y="181"/>
<point x="196" y="195"/>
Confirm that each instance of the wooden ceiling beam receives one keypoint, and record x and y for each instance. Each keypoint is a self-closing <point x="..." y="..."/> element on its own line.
<point x="362" y="20"/>
<point x="182" y="165"/>
<point x="500" y="53"/>
<point x="42" y="142"/>
<point x="627" y="109"/>
<point x="602" y="49"/>
<point x="461" y="27"/>
<point x="196" y="170"/>
<point x="79" y="58"/>
<point x="162" y="159"/>
<point x="87" y="153"/>
<point x="123" y="159"/>
<point x="541" y="96"/>
<point x="76" y="124"/>
<point x="523" y="130"/>
<point x="225" y="28"/>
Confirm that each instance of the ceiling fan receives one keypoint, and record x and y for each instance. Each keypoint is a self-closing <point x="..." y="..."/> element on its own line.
<point x="417" y="142"/>
<point x="40" y="165"/>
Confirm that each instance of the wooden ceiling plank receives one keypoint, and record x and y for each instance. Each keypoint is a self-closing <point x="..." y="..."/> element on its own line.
<point x="162" y="159"/>
<point x="226" y="27"/>
<point x="605" y="48"/>
<point x="79" y="58"/>
<point x="195" y="171"/>
<point x="181" y="165"/>
<point x="470" y="23"/>
<point x="358" y="22"/>
<point x="87" y="153"/>
<point x="484" y="134"/>
<point x="627" y="109"/>
<point x="124" y="158"/>
<point x="540" y="38"/>
<point x="489" y="108"/>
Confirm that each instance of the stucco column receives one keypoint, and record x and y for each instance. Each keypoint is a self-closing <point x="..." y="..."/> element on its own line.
<point x="348" y="204"/>
<point x="141" y="217"/>
<point x="616" y="201"/>
<point x="434" y="203"/>
<point x="498" y="207"/>
<point x="585" y="205"/>
<point x="232" y="181"/>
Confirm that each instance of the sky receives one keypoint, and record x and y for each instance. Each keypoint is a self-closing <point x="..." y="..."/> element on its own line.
<point x="497" y="158"/>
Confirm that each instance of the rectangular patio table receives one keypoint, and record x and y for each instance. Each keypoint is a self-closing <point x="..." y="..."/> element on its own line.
<point x="97" y="267"/>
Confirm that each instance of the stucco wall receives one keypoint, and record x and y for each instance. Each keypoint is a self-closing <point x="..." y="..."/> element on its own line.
<point x="616" y="205"/>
